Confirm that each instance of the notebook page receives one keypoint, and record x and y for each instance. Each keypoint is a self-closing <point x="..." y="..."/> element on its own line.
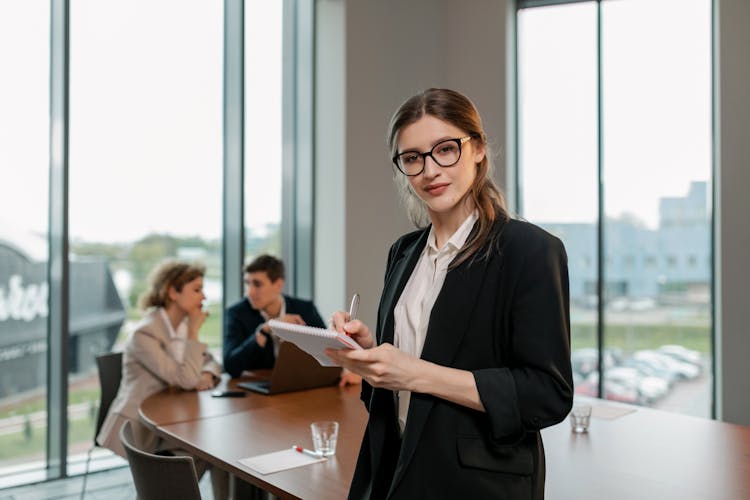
<point x="312" y="340"/>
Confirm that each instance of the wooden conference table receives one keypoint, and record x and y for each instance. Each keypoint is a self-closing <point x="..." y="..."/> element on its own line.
<point x="225" y="430"/>
<point x="643" y="454"/>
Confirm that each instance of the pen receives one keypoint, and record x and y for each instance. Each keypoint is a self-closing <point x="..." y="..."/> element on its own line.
<point x="353" y="307"/>
<point x="306" y="451"/>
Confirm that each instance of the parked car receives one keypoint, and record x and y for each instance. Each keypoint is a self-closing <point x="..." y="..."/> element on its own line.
<point x="681" y="353"/>
<point x="614" y="390"/>
<point x="680" y="368"/>
<point x="650" y="389"/>
<point x="652" y="370"/>
<point x="586" y="360"/>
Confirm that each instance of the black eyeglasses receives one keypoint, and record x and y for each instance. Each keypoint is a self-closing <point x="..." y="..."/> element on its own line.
<point x="445" y="153"/>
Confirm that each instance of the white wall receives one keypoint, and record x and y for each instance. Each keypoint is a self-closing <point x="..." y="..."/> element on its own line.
<point x="391" y="49"/>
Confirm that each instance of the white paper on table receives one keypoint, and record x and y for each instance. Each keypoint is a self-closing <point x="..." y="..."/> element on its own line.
<point x="279" y="460"/>
<point x="610" y="412"/>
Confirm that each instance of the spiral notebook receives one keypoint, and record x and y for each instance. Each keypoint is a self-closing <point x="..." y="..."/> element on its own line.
<point x="313" y="340"/>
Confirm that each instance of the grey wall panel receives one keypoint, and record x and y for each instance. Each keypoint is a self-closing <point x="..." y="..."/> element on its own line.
<point x="394" y="49"/>
<point x="330" y="126"/>
<point x="733" y="228"/>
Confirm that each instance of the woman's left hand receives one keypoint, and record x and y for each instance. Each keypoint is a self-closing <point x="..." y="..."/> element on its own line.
<point x="349" y="378"/>
<point x="383" y="366"/>
<point x="205" y="382"/>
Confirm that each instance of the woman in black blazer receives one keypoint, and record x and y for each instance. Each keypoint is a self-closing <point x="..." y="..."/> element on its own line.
<point x="472" y="355"/>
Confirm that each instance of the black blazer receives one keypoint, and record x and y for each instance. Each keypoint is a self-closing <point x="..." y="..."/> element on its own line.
<point x="504" y="318"/>
<point x="241" y="322"/>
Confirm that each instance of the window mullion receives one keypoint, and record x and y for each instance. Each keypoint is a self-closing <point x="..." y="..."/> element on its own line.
<point x="58" y="264"/>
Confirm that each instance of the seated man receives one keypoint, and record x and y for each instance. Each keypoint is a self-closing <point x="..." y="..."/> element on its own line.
<point x="248" y="342"/>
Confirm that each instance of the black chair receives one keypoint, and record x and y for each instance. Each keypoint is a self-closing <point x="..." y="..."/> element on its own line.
<point x="110" y="373"/>
<point x="158" y="477"/>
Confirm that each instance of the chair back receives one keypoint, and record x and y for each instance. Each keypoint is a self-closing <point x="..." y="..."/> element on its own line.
<point x="110" y="374"/>
<point x="157" y="477"/>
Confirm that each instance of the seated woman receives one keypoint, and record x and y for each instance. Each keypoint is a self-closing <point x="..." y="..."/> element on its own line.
<point x="163" y="351"/>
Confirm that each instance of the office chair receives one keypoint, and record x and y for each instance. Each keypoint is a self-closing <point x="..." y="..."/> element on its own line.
<point x="158" y="477"/>
<point x="109" y="367"/>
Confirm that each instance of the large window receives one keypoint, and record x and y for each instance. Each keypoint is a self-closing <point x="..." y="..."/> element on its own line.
<point x="558" y="151"/>
<point x="144" y="176"/>
<point x="145" y="171"/>
<point x="617" y="93"/>
<point x="263" y="132"/>
<point x="24" y="166"/>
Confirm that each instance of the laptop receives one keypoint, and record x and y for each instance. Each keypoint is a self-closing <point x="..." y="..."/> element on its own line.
<point x="295" y="370"/>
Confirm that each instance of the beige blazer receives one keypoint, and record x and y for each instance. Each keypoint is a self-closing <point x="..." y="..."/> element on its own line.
<point x="147" y="368"/>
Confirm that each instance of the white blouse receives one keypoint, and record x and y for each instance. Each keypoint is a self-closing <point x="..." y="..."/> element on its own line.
<point x="412" y="312"/>
<point x="178" y="337"/>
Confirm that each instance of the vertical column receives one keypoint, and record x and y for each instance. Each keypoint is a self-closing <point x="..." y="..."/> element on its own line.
<point x="288" y="137"/>
<point x="298" y="138"/>
<point x="330" y="139"/>
<point x="511" y="186"/>
<point x="58" y="266"/>
<point x="234" y="150"/>
<point x="732" y="229"/>
<point x="600" y="271"/>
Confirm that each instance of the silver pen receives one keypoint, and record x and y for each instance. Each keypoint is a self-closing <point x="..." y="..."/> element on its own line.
<point x="354" y="307"/>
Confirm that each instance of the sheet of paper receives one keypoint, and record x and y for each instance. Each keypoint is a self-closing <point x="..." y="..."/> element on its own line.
<point x="279" y="460"/>
<point x="609" y="412"/>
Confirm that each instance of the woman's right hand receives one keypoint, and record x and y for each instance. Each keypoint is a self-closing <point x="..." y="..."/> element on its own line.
<point x="196" y="317"/>
<point x="205" y="382"/>
<point x="357" y="330"/>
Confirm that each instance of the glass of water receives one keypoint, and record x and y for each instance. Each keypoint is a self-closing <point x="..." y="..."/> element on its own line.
<point x="324" y="436"/>
<point x="580" y="417"/>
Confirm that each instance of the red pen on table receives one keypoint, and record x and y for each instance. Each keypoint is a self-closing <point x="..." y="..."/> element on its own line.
<point x="306" y="451"/>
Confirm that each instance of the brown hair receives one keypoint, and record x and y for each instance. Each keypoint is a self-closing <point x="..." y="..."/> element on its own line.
<point x="268" y="264"/>
<point x="167" y="274"/>
<point x="454" y="108"/>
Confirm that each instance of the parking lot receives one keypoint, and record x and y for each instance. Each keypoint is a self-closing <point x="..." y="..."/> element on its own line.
<point x="691" y="397"/>
<point x="670" y="377"/>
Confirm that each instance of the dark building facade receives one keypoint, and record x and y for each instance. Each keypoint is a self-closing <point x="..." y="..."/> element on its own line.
<point x="96" y="315"/>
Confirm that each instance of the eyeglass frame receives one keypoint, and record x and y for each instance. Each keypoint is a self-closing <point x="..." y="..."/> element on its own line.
<point x="458" y="140"/>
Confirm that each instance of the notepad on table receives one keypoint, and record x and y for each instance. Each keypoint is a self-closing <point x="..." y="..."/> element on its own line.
<point x="610" y="412"/>
<point x="313" y="340"/>
<point x="279" y="460"/>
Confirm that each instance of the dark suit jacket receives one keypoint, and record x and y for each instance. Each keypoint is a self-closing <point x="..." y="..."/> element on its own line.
<point x="505" y="318"/>
<point x="241" y="322"/>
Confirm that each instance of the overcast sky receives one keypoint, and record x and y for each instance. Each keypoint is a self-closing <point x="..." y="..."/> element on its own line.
<point x="656" y="92"/>
<point x="146" y="117"/>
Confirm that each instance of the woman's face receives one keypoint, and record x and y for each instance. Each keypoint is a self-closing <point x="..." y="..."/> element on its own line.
<point x="441" y="188"/>
<point x="191" y="296"/>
